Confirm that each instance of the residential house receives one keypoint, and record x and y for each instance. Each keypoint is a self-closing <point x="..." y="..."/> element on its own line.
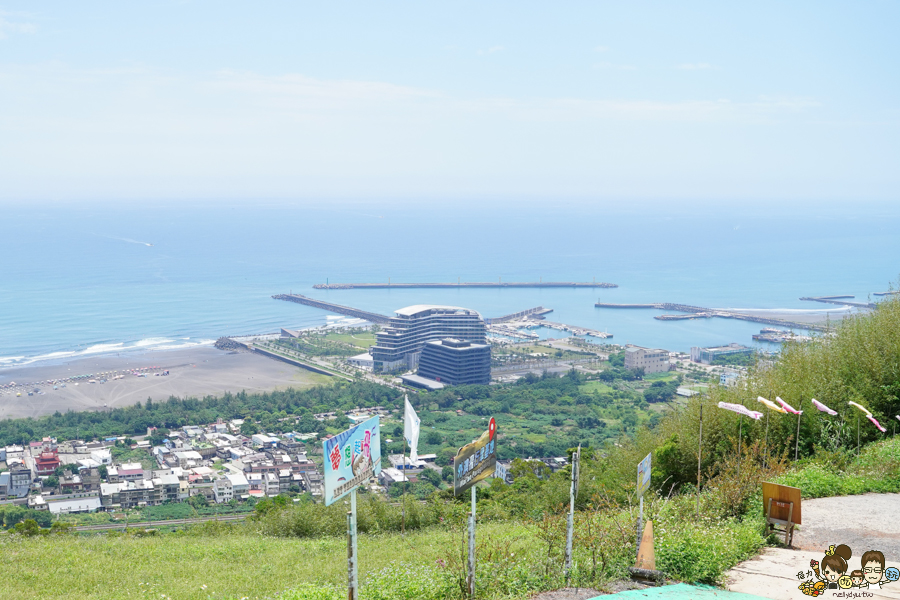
<point x="130" y="472"/>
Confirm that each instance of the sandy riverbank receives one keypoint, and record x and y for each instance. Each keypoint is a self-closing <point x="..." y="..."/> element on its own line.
<point x="193" y="372"/>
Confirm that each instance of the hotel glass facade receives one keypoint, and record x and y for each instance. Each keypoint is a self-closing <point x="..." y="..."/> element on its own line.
<point x="400" y="343"/>
<point x="456" y="362"/>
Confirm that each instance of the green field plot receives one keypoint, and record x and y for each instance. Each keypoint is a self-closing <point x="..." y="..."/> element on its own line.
<point x="594" y="386"/>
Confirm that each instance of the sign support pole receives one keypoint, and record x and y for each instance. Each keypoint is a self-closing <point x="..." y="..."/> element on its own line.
<point x="640" y="525"/>
<point x="471" y="581"/>
<point x="767" y="440"/>
<point x="797" y="443"/>
<point x="740" y="436"/>
<point x="570" y="526"/>
<point x="352" y="556"/>
<point x="699" y="453"/>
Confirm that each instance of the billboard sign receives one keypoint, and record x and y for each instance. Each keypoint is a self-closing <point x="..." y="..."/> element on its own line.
<point x="352" y="457"/>
<point x="643" y="475"/>
<point x="476" y="461"/>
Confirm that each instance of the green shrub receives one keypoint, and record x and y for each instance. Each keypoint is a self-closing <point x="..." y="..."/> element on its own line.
<point x="308" y="591"/>
<point x="408" y="582"/>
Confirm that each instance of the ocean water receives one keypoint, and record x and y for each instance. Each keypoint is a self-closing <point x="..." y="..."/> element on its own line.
<point x="99" y="278"/>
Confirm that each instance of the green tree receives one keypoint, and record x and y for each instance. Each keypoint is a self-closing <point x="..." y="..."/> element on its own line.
<point x="29" y="528"/>
<point x="431" y="476"/>
<point x="198" y="501"/>
<point x="529" y="469"/>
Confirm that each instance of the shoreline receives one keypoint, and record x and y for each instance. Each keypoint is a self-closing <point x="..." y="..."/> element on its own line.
<point x="193" y="372"/>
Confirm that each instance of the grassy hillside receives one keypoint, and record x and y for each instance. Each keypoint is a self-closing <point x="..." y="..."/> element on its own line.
<point x="515" y="559"/>
<point x="519" y="548"/>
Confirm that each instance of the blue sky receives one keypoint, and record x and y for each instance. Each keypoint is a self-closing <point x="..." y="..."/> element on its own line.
<point x="581" y="100"/>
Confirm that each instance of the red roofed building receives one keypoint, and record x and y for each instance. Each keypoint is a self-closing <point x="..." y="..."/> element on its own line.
<point x="46" y="462"/>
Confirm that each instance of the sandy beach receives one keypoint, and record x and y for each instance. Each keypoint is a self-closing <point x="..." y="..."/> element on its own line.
<point x="193" y="372"/>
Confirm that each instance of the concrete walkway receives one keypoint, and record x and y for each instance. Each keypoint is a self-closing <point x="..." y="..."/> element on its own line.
<point x="773" y="574"/>
<point x="864" y="522"/>
<point x="681" y="591"/>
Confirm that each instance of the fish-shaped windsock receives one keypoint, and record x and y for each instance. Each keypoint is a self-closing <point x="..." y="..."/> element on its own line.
<point x="862" y="408"/>
<point x="788" y="407"/>
<point x="876" y="423"/>
<point x="741" y="409"/>
<point x="771" y="404"/>
<point x="824" y="408"/>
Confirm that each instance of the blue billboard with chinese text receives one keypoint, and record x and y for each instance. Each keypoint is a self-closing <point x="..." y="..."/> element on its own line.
<point x="352" y="457"/>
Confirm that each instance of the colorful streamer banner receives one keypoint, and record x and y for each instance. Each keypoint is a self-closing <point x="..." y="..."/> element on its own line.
<point x="788" y="407"/>
<point x="862" y="408"/>
<point x="876" y="423"/>
<point x="771" y="405"/>
<point x="824" y="408"/>
<point x="741" y="409"/>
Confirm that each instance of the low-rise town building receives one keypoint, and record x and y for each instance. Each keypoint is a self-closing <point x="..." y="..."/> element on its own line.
<point x="650" y="360"/>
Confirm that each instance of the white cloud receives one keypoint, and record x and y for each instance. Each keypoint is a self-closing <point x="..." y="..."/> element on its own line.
<point x="136" y="130"/>
<point x="492" y="50"/>
<point x="11" y="23"/>
<point x="694" y="66"/>
<point x="613" y="66"/>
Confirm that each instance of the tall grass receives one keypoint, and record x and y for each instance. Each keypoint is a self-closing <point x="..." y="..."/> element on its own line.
<point x="859" y="362"/>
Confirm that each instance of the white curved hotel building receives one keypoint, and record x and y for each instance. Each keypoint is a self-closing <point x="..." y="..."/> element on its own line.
<point x="399" y="344"/>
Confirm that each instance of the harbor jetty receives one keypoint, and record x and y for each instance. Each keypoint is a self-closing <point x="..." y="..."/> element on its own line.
<point x="839" y="300"/>
<point x="699" y="312"/>
<point x="778" y="336"/>
<point x="335" y="308"/>
<point x="470" y="284"/>
<point x="574" y="329"/>
<point x="537" y="311"/>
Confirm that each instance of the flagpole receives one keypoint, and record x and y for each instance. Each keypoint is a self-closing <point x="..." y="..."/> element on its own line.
<point x="740" y="431"/>
<point x="797" y="442"/>
<point x="405" y="488"/>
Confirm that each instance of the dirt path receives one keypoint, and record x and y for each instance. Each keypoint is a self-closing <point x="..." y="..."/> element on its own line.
<point x="865" y="522"/>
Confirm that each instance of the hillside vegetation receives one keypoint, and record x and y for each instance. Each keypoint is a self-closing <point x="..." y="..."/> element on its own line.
<point x="521" y="526"/>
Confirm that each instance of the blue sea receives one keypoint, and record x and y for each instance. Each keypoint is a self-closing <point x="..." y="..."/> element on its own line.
<point x="95" y="278"/>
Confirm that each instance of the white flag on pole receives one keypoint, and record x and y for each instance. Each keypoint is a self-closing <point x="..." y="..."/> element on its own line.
<point x="411" y="430"/>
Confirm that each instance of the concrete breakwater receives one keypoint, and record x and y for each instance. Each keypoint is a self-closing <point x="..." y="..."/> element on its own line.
<point x="575" y="330"/>
<point x="484" y="284"/>
<point x="699" y="312"/>
<point x="839" y="300"/>
<point x="537" y="311"/>
<point x="335" y="308"/>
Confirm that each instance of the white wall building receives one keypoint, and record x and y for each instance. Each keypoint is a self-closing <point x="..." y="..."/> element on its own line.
<point x="102" y="456"/>
<point x="239" y="484"/>
<point x="651" y="360"/>
<point x="223" y="491"/>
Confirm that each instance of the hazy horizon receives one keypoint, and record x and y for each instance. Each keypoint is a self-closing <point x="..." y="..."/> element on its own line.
<point x="587" y="101"/>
